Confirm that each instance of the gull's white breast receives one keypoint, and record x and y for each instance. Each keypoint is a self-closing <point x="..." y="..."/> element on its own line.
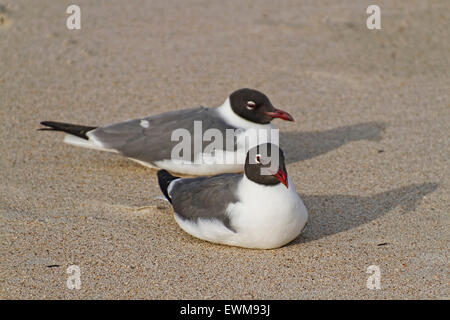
<point x="267" y="216"/>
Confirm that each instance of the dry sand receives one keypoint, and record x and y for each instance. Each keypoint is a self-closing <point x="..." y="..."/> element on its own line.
<point x="369" y="152"/>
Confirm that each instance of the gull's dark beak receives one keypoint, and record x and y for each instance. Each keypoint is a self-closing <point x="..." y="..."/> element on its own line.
<point x="282" y="176"/>
<point x="277" y="113"/>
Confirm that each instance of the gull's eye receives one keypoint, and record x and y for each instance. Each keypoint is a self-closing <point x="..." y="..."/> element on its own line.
<point x="251" y="105"/>
<point x="258" y="158"/>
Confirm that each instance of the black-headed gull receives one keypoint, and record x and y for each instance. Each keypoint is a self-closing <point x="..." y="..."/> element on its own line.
<point x="150" y="140"/>
<point x="256" y="209"/>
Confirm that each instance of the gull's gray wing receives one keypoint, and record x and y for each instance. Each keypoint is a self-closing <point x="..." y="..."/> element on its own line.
<point x="149" y="139"/>
<point x="205" y="197"/>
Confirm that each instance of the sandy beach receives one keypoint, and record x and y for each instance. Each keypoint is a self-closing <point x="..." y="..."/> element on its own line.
<point x="368" y="153"/>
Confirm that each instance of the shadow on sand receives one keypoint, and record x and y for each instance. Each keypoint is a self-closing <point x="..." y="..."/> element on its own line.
<point x="330" y="214"/>
<point x="300" y="146"/>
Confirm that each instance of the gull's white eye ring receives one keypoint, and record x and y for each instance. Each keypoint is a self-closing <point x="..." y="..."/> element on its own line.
<point x="258" y="158"/>
<point x="251" y="105"/>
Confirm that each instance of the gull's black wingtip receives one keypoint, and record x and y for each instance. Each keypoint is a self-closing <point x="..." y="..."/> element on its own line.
<point x="73" y="129"/>
<point x="47" y="124"/>
<point x="164" y="180"/>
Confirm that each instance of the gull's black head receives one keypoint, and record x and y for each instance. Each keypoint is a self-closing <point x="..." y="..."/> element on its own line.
<point x="255" y="106"/>
<point x="265" y="165"/>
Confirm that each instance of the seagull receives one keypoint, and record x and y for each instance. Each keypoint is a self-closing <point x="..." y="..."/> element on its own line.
<point x="150" y="141"/>
<point x="258" y="209"/>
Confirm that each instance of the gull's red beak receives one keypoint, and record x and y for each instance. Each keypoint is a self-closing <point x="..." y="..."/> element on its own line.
<point x="282" y="176"/>
<point x="280" y="114"/>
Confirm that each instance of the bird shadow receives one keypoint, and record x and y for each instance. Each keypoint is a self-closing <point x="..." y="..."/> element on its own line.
<point x="300" y="146"/>
<point x="331" y="214"/>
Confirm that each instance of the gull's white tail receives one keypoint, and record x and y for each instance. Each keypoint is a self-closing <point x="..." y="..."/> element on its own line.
<point x="89" y="144"/>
